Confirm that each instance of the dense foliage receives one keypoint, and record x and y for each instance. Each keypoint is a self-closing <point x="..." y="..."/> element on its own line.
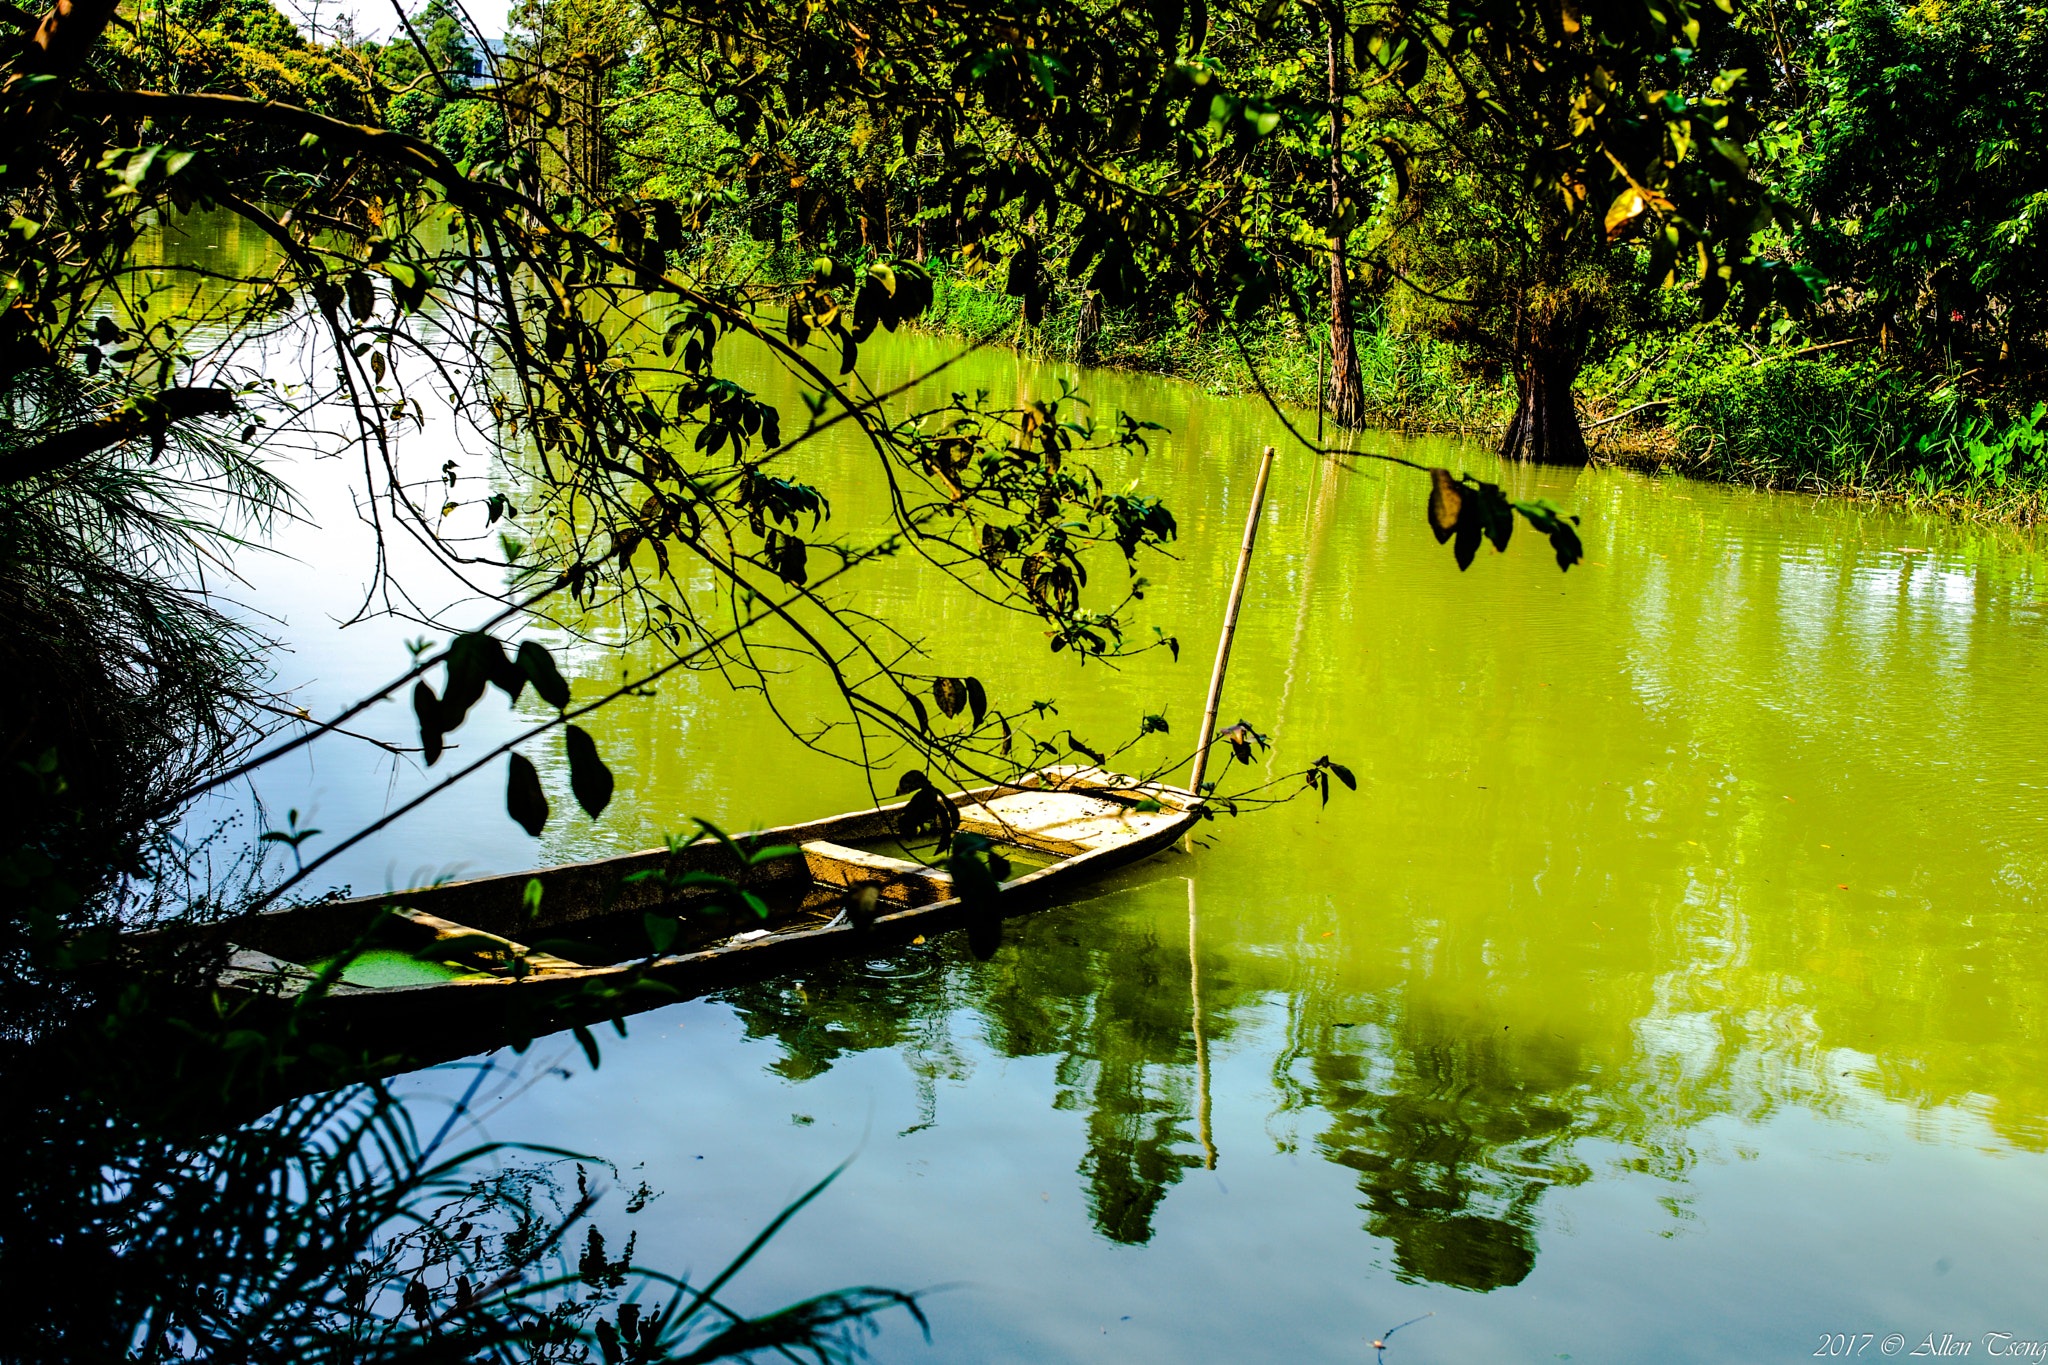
<point x="1923" y="178"/>
<point x="1517" y="207"/>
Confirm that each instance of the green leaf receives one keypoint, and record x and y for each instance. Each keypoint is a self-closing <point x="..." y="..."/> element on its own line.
<point x="589" y="1042"/>
<point x="524" y="800"/>
<point x="977" y="700"/>
<point x="539" y="667"/>
<point x="662" y="930"/>
<point x="1564" y="543"/>
<point x="1564" y="539"/>
<point x="589" y="778"/>
<point x="726" y="841"/>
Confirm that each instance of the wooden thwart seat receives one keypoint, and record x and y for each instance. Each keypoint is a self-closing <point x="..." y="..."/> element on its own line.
<point x="900" y="881"/>
<point x="448" y="930"/>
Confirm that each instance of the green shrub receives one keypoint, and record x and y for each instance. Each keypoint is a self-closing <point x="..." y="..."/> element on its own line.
<point x="1858" y="426"/>
<point x="1802" y="423"/>
<point x="1982" y="452"/>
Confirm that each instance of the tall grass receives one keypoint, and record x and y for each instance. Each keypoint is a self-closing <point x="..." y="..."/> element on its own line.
<point x="1856" y="427"/>
<point x="336" y="1229"/>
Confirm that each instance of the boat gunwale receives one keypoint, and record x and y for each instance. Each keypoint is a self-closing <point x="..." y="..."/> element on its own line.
<point x="261" y="932"/>
<point x="792" y="941"/>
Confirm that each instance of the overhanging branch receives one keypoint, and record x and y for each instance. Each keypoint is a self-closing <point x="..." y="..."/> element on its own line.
<point x="150" y="418"/>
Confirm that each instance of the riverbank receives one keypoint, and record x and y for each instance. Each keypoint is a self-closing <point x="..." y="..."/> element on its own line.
<point x="1829" y="418"/>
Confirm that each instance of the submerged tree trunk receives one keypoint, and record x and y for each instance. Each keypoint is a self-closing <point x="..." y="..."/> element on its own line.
<point x="1546" y="426"/>
<point x="1347" y="382"/>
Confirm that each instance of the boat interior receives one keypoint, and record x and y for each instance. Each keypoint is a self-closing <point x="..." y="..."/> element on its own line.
<point x="572" y="919"/>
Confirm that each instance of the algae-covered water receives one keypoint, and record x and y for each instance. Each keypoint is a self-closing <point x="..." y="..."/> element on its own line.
<point x="1671" y="988"/>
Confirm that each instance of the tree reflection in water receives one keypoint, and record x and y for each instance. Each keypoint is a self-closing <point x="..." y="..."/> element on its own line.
<point x="1454" y="1140"/>
<point x="1455" y="1136"/>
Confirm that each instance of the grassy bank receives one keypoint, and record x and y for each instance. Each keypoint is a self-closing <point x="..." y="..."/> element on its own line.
<point x="1835" y="419"/>
<point x="1827" y="418"/>
<point x="1412" y="382"/>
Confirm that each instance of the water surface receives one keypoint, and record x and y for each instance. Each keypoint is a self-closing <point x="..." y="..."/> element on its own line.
<point x="1669" y="988"/>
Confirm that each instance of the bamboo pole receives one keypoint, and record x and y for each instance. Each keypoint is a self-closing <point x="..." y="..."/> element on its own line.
<point x="1202" y="1105"/>
<point x="1244" y="563"/>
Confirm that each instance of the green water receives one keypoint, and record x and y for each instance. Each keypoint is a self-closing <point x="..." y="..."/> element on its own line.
<point x="1670" y="988"/>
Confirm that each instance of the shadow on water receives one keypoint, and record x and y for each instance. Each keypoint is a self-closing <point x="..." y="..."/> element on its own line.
<point x="1453" y="1150"/>
<point x="1454" y="1132"/>
<point x="1112" y="1007"/>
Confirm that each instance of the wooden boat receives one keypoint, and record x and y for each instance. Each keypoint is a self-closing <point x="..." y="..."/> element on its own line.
<point x="495" y="941"/>
<point x="568" y="944"/>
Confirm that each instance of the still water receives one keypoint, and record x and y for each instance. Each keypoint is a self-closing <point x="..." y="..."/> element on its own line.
<point x="1670" y="989"/>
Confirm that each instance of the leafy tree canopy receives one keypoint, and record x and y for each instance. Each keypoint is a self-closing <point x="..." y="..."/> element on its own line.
<point x="1924" y="173"/>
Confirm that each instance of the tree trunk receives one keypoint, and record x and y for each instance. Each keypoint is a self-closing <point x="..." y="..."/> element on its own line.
<point x="1347" y="382"/>
<point x="1088" y="326"/>
<point x="1546" y="426"/>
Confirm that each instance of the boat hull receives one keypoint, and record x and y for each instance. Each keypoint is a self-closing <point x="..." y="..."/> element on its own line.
<point x="1086" y="821"/>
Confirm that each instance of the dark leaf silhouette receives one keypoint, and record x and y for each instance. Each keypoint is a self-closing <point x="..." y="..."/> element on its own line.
<point x="427" y="707"/>
<point x="1445" y="503"/>
<point x="1564" y="539"/>
<point x="589" y="778"/>
<point x="524" y="800"/>
<point x="474" y="659"/>
<point x="1473" y="511"/>
<point x="539" y="667"/>
<point x="1241" y="737"/>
